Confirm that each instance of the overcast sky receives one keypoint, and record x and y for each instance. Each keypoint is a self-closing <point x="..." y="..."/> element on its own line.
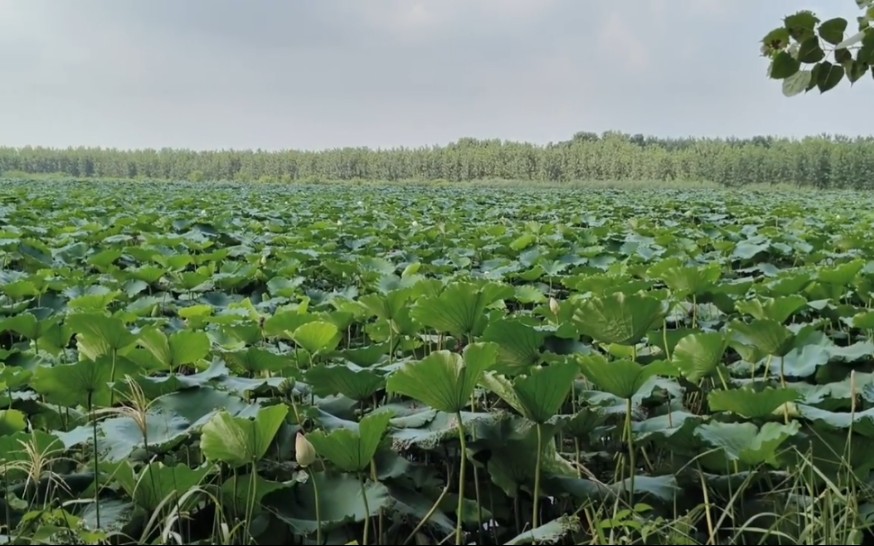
<point x="318" y="74"/>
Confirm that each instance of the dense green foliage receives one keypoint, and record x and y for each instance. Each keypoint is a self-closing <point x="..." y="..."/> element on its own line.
<point x="226" y="364"/>
<point x="821" y="162"/>
<point x="830" y="53"/>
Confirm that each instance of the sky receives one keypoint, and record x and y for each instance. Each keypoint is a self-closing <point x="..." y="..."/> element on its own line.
<point x="271" y="74"/>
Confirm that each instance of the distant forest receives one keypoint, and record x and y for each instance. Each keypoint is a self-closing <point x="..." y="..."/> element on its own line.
<point x="822" y="161"/>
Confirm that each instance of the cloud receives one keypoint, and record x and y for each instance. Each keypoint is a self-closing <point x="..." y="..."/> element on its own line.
<point x="619" y="38"/>
<point x="221" y="73"/>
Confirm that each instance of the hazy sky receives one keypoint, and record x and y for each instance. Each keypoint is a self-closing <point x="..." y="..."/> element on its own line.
<point x="329" y="73"/>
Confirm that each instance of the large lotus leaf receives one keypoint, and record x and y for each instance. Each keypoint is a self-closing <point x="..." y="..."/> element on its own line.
<point x="512" y="454"/>
<point x="666" y="340"/>
<point x="788" y="283"/>
<point x="745" y="442"/>
<point x="692" y="280"/>
<point x="116" y="516"/>
<point x="539" y="394"/>
<point x="698" y="355"/>
<point x="185" y="347"/>
<point x="281" y="286"/>
<point x="749" y="403"/>
<point x="664" y="488"/>
<point x="622" y="378"/>
<point x="121" y="436"/>
<point x="518" y="344"/>
<point x="152" y="484"/>
<point x="841" y="274"/>
<point x="282" y="324"/>
<point x="356" y="383"/>
<point x="619" y="318"/>
<point x="549" y="533"/>
<point x="813" y="349"/>
<point x="861" y="421"/>
<point x="367" y="355"/>
<point x="676" y="426"/>
<point x="254" y="361"/>
<point x="158" y="385"/>
<point x="199" y="405"/>
<point x="12" y="421"/>
<point x="317" y="336"/>
<point x="340" y="502"/>
<point x="83" y="383"/>
<point x="585" y="422"/>
<point x="238" y="441"/>
<point x="444" y="380"/>
<point x="24" y="324"/>
<point x="776" y="309"/>
<point x="351" y="450"/>
<point x="766" y="335"/>
<point x="428" y="429"/>
<point x="392" y="306"/>
<point x="461" y="308"/>
<point x="242" y="493"/>
<point x="99" y="335"/>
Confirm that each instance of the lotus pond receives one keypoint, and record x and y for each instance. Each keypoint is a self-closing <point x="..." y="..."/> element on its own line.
<point x="217" y="363"/>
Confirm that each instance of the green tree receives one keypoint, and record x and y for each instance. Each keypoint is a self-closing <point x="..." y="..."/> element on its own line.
<point x="807" y="52"/>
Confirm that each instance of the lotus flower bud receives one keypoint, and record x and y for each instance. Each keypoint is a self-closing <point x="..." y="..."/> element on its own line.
<point x="304" y="452"/>
<point x="553" y="306"/>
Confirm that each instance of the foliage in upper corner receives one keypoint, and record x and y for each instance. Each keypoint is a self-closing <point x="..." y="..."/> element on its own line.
<point x="807" y="52"/>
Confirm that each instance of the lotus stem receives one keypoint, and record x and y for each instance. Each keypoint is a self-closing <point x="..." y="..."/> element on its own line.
<point x="96" y="474"/>
<point x="535" y="513"/>
<point x="366" y="512"/>
<point x="630" y="441"/>
<point x="318" y="509"/>
<point x="460" y="508"/>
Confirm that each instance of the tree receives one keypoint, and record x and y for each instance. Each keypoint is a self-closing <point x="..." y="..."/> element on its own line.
<point x="807" y="52"/>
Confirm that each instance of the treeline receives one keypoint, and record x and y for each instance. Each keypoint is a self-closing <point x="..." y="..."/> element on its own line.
<point x="823" y="161"/>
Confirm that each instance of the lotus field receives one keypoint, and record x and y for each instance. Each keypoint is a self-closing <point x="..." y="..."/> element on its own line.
<point x="333" y="364"/>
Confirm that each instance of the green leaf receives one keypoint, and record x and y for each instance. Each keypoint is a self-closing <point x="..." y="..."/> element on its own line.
<point x="856" y="70"/>
<point x="745" y="442"/>
<point x="357" y="384"/>
<point x="12" y="421"/>
<point x="444" y="380"/>
<point x="519" y="344"/>
<point x="801" y="24"/>
<point x="350" y="450"/>
<point x="827" y="75"/>
<point x="185" y="347"/>
<point x="340" y="502"/>
<point x="156" y="481"/>
<point x="622" y="378"/>
<point x="777" y="309"/>
<point x="797" y="83"/>
<point x="698" y="355"/>
<point x="751" y="404"/>
<point x="317" y="336"/>
<point x="256" y="361"/>
<point x="82" y="382"/>
<point x="810" y="52"/>
<point x="241" y="492"/>
<point x="832" y="31"/>
<point x="784" y="65"/>
<point x="618" y="318"/>
<point x="238" y="441"/>
<point x="766" y="335"/>
<point x="539" y="394"/>
<point x="460" y="308"/>
<point x="99" y="334"/>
